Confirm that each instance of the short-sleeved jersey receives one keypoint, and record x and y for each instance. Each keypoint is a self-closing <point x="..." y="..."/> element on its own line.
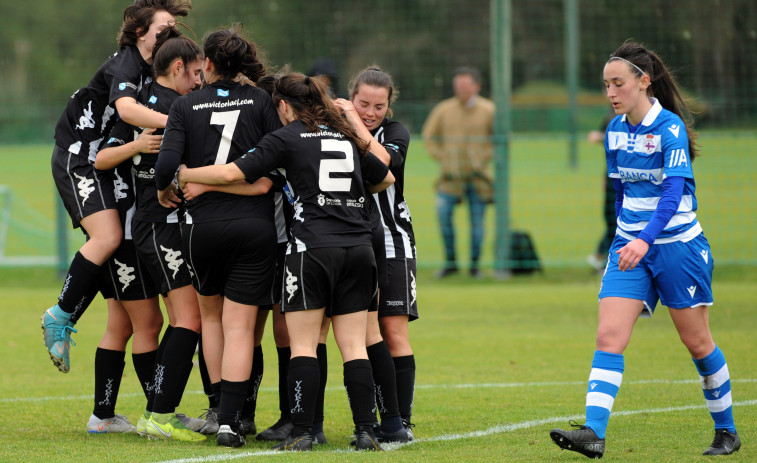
<point x="90" y="113"/>
<point x="216" y="125"/>
<point x="148" y="209"/>
<point x="659" y="148"/>
<point x="325" y="176"/>
<point x="395" y="213"/>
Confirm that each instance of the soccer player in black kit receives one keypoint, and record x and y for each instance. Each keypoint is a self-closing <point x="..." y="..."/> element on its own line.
<point x="330" y="268"/>
<point x="157" y="247"/>
<point x="87" y="120"/>
<point x="372" y="92"/>
<point x="229" y="240"/>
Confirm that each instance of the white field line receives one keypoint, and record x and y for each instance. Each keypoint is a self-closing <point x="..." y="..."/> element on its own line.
<point x="499" y="429"/>
<point x="417" y="387"/>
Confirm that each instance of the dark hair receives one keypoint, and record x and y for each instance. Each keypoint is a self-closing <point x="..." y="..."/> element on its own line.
<point x="267" y="83"/>
<point x="375" y="77"/>
<point x="170" y="45"/>
<point x="663" y="86"/>
<point x="468" y="71"/>
<point x="232" y="54"/>
<point x="309" y="100"/>
<point x="138" y="17"/>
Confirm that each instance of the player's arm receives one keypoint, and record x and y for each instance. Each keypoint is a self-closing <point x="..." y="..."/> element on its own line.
<point x="137" y="115"/>
<point x="218" y="174"/>
<point x="111" y="156"/>
<point x="376" y="174"/>
<point x="261" y="186"/>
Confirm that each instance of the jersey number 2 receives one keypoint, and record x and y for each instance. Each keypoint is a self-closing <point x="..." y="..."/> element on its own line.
<point x="327" y="166"/>
<point x="227" y="119"/>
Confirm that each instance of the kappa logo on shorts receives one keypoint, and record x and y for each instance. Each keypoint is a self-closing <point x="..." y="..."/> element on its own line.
<point x="85" y="187"/>
<point x="291" y="284"/>
<point x="119" y="187"/>
<point x="412" y="288"/>
<point x="125" y="276"/>
<point x="173" y="259"/>
<point x="692" y="290"/>
<point x="705" y="255"/>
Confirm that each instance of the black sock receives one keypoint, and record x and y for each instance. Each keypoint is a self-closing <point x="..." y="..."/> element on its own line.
<point x="171" y="368"/>
<point x="358" y="380"/>
<point x="216" y="394"/>
<point x="256" y="376"/>
<point x="182" y="380"/>
<point x="405" y="370"/>
<point x="323" y="368"/>
<point x="233" y="394"/>
<point x="283" y="353"/>
<point x="385" y="379"/>
<point x="144" y="365"/>
<point x="109" y="368"/>
<point x="81" y="286"/>
<point x="204" y="376"/>
<point x="303" y="382"/>
<point x="158" y="359"/>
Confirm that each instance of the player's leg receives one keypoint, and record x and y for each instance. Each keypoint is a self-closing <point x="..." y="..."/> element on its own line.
<point x="109" y="368"/>
<point x="247" y="425"/>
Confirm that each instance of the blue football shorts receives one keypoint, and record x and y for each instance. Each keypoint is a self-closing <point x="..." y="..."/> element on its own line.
<point x="678" y="274"/>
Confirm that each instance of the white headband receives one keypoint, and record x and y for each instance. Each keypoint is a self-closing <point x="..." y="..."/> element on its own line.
<point x="633" y="65"/>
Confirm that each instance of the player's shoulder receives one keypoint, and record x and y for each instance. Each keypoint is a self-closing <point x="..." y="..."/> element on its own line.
<point x="394" y="129"/>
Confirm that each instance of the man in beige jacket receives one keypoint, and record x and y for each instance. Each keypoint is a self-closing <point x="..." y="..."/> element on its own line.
<point x="457" y="134"/>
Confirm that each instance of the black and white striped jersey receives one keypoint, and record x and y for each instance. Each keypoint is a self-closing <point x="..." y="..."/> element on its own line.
<point x="90" y="113"/>
<point x="216" y="125"/>
<point x="160" y="99"/>
<point x="325" y="177"/>
<point x="395" y="214"/>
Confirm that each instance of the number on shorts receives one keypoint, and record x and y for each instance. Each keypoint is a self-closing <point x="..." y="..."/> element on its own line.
<point x="228" y="119"/>
<point x="327" y="166"/>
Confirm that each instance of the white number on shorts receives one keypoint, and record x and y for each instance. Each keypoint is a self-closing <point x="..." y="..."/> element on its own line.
<point x="325" y="181"/>
<point x="228" y="119"/>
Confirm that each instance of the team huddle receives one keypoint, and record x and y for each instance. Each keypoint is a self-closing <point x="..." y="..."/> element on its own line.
<point x="233" y="193"/>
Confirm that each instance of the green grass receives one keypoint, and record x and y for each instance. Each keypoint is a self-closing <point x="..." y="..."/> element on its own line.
<point x="499" y="365"/>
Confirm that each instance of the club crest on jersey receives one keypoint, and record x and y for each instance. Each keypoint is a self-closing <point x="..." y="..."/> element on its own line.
<point x="649" y="143"/>
<point x="321" y="200"/>
<point x="223" y="93"/>
<point x="153" y="99"/>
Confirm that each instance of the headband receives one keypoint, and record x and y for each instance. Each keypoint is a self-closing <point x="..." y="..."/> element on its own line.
<point x="632" y="65"/>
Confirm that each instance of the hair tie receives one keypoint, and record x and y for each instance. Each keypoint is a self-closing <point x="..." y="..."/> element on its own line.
<point x="307" y="80"/>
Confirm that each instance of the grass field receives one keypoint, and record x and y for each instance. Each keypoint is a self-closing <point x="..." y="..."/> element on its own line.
<point x="500" y="363"/>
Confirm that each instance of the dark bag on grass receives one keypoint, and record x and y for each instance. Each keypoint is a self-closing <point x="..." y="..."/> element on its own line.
<point x="523" y="253"/>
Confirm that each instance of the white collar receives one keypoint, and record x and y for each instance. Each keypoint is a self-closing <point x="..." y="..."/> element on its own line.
<point x="651" y="115"/>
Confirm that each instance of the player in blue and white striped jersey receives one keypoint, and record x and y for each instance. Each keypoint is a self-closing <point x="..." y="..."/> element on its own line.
<point x="659" y="250"/>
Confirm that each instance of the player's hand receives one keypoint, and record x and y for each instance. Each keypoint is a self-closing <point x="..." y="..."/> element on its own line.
<point x="149" y="143"/>
<point x="168" y="197"/>
<point x="631" y="254"/>
<point x="192" y="190"/>
<point x="348" y="109"/>
<point x="181" y="176"/>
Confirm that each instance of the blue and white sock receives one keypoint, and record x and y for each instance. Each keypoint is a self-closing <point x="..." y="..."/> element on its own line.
<point x="716" y="384"/>
<point x="604" y="383"/>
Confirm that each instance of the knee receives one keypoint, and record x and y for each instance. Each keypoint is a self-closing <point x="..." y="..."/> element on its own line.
<point x="610" y="340"/>
<point x="699" y="346"/>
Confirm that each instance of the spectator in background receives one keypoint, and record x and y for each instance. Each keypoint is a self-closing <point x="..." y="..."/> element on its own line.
<point x="457" y="134"/>
<point x="599" y="259"/>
